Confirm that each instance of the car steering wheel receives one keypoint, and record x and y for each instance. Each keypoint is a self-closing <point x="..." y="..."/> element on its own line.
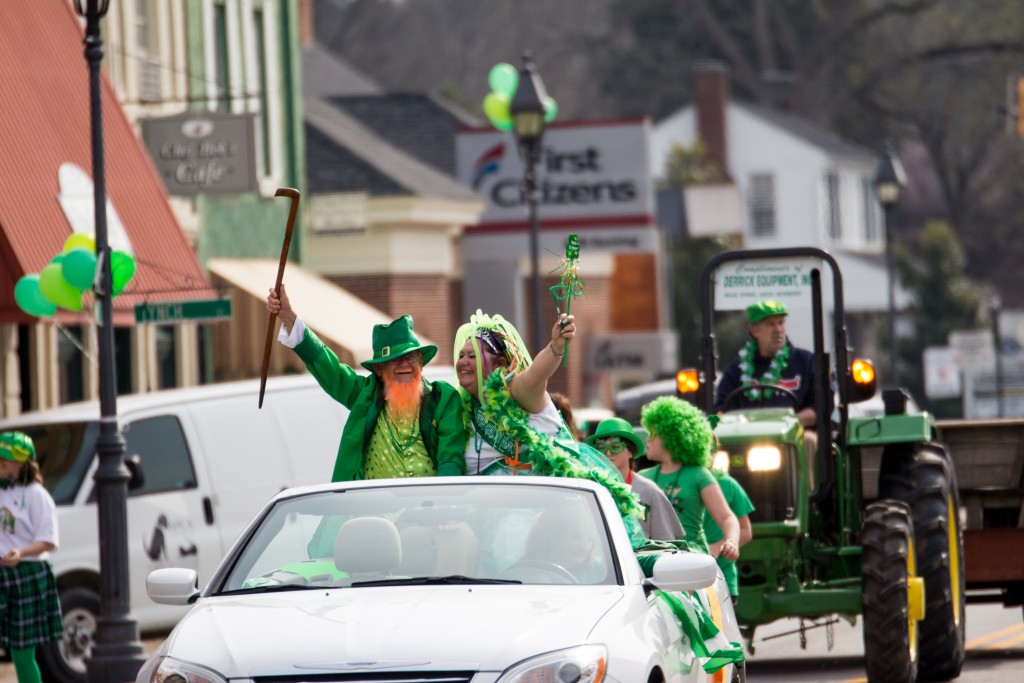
<point x="544" y="565"/>
<point x="727" y="404"/>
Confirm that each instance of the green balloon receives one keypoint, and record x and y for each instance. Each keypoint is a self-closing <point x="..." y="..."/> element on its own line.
<point x="550" y="109"/>
<point x="497" y="108"/>
<point x="79" y="268"/>
<point x="29" y="297"/>
<point x="503" y="79"/>
<point x="57" y="290"/>
<point x="122" y="269"/>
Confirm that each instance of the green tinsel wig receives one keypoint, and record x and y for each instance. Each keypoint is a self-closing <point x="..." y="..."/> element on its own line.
<point x="514" y="349"/>
<point x="683" y="429"/>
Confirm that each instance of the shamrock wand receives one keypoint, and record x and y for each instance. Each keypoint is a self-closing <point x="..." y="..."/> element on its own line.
<point x="569" y="285"/>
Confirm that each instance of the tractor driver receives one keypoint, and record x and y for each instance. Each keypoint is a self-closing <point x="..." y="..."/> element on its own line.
<point x="769" y="357"/>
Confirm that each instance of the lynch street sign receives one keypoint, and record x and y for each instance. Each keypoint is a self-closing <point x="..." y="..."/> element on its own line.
<point x="168" y="312"/>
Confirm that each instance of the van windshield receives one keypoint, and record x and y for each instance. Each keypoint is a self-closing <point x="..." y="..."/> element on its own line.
<point x="65" y="451"/>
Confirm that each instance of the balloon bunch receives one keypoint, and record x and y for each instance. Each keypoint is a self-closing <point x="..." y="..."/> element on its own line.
<point x="504" y="81"/>
<point x="68" y="275"/>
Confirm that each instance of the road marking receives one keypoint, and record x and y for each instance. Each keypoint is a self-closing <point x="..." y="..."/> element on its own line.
<point x="994" y="636"/>
<point x="997" y="640"/>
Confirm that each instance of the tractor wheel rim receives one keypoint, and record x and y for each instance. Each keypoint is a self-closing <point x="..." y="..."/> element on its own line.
<point x="911" y="622"/>
<point x="954" y="559"/>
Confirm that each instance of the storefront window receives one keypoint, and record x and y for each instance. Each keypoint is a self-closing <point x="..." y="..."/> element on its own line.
<point x="166" y="358"/>
<point x="70" y="363"/>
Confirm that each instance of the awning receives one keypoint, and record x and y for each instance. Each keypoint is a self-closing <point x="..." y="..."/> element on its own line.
<point x="337" y="316"/>
<point x="44" y="128"/>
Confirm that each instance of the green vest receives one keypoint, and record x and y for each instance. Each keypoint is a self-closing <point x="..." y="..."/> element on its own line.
<point x="441" y="425"/>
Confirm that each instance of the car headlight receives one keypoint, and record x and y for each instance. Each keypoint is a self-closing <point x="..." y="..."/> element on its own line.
<point x="170" y="670"/>
<point x="580" y="664"/>
<point x="764" y="458"/>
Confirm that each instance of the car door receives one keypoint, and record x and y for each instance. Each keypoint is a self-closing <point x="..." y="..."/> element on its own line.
<point x="169" y="524"/>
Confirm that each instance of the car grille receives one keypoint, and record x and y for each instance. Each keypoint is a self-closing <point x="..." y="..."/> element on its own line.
<point x="375" y="677"/>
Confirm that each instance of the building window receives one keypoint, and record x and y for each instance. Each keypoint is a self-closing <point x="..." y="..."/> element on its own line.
<point x="222" y="68"/>
<point x="123" y="360"/>
<point x="833" y="219"/>
<point x="166" y="358"/>
<point x="70" y="364"/>
<point x="147" y="43"/>
<point x="262" y="120"/>
<point x="870" y="211"/>
<point x="762" y="204"/>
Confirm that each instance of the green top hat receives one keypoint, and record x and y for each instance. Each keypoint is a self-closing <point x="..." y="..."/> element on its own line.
<point x="17" y="446"/>
<point x="765" y="309"/>
<point x="616" y="426"/>
<point x="395" y="339"/>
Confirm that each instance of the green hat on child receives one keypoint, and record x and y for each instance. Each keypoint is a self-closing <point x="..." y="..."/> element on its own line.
<point x="616" y="426"/>
<point x="765" y="309"/>
<point x="17" y="446"/>
<point x="395" y="339"/>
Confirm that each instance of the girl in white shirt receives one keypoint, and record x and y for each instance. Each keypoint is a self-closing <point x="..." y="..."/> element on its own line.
<point x="29" y="604"/>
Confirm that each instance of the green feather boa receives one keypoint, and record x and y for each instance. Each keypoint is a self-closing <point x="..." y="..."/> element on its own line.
<point x="546" y="457"/>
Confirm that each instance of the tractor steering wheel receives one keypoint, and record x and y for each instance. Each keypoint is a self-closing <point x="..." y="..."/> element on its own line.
<point x="727" y="404"/>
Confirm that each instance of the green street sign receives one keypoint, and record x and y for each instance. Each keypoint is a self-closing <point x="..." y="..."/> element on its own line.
<point x="167" y="312"/>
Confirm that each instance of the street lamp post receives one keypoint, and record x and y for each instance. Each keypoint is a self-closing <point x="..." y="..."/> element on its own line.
<point x="527" y="109"/>
<point x="997" y="341"/>
<point x="117" y="653"/>
<point x="889" y="183"/>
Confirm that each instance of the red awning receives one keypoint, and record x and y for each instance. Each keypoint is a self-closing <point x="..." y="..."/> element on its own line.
<point x="44" y="126"/>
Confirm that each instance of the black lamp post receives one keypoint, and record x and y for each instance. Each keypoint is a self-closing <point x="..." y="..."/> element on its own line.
<point x="117" y="653"/>
<point x="997" y="340"/>
<point x="889" y="183"/>
<point x="527" y="108"/>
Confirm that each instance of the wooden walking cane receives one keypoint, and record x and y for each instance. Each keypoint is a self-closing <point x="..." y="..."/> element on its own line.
<point x="294" y="195"/>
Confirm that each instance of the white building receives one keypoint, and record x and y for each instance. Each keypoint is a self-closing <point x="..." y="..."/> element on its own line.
<point x="792" y="184"/>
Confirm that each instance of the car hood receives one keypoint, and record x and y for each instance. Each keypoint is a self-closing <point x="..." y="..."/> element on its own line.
<point x="483" y="628"/>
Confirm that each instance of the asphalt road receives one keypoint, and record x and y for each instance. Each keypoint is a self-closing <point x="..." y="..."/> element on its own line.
<point x="995" y="650"/>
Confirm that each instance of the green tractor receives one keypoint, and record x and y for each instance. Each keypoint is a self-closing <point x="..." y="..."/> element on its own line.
<point x="821" y="548"/>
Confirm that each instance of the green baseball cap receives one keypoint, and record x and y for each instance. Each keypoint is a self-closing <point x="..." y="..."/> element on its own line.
<point x="765" y="309"/>
<point x="17" y="446"/>
<point x="616" y="426"/>
<point x="394" y="339"/>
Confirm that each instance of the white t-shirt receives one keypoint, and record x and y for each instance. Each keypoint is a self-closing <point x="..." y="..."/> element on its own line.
<point x="27" y="514"/>
<point x="480" y="454"/>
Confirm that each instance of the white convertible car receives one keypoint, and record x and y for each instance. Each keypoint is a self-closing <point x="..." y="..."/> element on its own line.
<point x="465" y="579"/>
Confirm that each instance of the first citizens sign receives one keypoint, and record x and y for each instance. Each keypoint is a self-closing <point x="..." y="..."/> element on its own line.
<point x="203" y="152"/>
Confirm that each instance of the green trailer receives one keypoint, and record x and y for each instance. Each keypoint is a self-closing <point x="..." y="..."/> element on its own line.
<point x="830" y="537"/>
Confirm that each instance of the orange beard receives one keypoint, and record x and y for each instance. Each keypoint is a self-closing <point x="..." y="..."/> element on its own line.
<point x="403" y="399"/>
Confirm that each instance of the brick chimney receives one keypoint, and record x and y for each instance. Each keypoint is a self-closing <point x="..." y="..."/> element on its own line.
<point x="306" y="32"/>
<point x="710" y="96"/>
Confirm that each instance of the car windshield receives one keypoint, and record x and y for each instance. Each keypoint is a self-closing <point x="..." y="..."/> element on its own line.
<point x="436" y="533"/>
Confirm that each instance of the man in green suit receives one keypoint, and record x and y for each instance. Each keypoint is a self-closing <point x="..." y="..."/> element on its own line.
<point x="399" y="424"/>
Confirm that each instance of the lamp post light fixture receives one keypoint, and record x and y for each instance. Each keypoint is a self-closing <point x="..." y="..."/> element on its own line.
<point x="527" y="109"/>
<point x="889" y="182"/>
<point x="117" y="654"/>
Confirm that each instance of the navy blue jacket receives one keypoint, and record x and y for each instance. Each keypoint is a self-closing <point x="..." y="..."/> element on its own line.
<point x="797" y="376"/>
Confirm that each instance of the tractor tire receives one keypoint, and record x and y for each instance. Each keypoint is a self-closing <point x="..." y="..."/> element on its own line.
<point x="924" y="479"/>
<point x="887" y="563"/>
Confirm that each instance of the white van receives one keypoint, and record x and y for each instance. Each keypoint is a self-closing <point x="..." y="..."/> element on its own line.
<point x="210" y="459"/>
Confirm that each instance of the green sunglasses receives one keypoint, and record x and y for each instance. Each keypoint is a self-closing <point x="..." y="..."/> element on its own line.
<point x="611" y="444"/>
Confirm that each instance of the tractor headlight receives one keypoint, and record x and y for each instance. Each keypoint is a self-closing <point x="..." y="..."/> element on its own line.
<point x="764" y="458"/>
<point x="720" y="461"/>
<point x="581" y="664"/>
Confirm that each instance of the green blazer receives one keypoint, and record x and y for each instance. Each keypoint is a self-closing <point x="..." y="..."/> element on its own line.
<point x="441" y="424"/>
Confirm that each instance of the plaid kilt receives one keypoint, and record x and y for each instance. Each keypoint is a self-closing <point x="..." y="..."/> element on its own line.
<point x="29" y="605"/>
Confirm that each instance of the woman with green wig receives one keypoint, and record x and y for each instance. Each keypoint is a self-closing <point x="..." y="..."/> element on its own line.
<point x="680" y="439"/>
<point x="514" y="426"/>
